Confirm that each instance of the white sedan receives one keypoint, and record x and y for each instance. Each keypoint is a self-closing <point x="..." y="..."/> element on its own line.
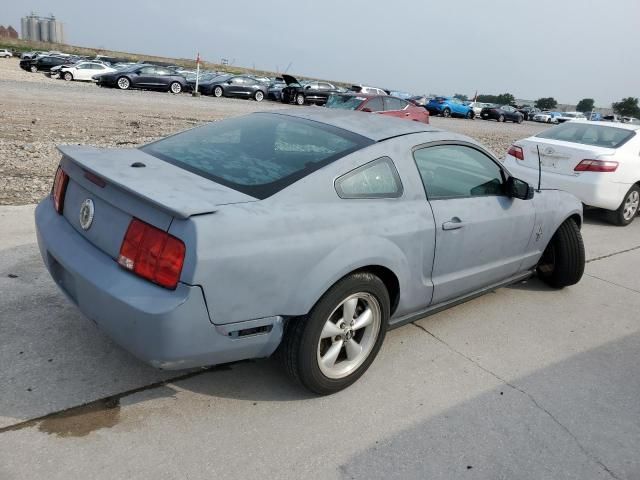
<point x="5" y="53"/>
<point x="598" y="163"/>
<point x="84" y="71"/>
<point x="545" y="117"/>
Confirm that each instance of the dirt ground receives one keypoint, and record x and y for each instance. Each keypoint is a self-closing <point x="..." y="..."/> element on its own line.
<point x="37" y="113"/>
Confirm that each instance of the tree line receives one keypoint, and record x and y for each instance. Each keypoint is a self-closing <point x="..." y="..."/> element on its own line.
<point x="627" y="107"/>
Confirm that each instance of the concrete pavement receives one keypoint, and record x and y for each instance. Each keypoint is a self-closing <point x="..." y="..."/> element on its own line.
<point x="525" y="382"/>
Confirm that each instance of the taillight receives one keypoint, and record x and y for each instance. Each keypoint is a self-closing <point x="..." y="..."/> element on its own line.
<point x="152" y="254"/>
<point x="596" y="166"/>
<point x="516" y="151"/>
<point x="59" y="188"/>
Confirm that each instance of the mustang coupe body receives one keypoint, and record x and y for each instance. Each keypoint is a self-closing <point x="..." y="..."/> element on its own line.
<point x="310" y="231"/>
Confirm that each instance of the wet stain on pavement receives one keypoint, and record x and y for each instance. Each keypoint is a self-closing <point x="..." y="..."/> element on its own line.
<point x="81" y="421"/>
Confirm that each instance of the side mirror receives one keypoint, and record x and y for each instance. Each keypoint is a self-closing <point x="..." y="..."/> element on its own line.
<point x="228" y="82"/>
<point x="307" y="87"/>
<point x="517" y="188"/>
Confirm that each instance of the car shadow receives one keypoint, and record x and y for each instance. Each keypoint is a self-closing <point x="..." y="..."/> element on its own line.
<point x="596" y="216"/>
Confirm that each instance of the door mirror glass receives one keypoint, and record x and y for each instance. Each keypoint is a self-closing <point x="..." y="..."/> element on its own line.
<point x="517" y="188"/>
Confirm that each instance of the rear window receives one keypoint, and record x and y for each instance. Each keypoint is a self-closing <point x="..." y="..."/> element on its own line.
<point x="588" y="134"/>
<point x="258" y="154"/>
<point x="345" y="102"/>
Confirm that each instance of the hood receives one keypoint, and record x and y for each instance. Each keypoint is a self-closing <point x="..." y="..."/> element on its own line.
<point x="288" y="79"/>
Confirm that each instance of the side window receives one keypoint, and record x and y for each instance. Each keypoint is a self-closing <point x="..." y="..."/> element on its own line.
<point x="374" y="104"/>
<point x="457" y="171"/>
<point x="391" y="103"/>
<point x="147" y="71"/>
<point x="376" y="179"/>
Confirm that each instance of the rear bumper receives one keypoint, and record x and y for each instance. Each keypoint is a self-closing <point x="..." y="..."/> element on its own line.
<point x="164" y="328"/>
<point x="590" y="187"/>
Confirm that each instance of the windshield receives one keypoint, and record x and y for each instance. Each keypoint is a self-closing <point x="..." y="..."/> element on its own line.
<point x="345" y="102"/>
<point x="258" y="154"/>
<point x="587" y="134"/>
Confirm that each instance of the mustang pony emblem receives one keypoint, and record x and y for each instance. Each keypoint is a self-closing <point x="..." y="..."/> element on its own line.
<point x="87" y="211"/>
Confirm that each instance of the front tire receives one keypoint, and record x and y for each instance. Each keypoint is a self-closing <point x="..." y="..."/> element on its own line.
<point x="562" y="263"/>
<point x="123" y="83"/>
<point x="501" y="119"/>
<point x="628" y="209"/>
<point x="33" y="69"/>
<point x="68" y="76"/>
<point x="334" y="345"/>
<point x="446" y="113"/>
<point x="175" y="87"/>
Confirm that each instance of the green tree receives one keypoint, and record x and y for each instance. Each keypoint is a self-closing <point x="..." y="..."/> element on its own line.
<point x="546" y="103"/>
<point x="461" y="96"/>
<point x="627" y="107"/>
<point x="585" y="105"/>
<point x="502" y="99"/>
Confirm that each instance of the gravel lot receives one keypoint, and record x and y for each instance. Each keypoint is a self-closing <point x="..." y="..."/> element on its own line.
<point x="38" y="113"/>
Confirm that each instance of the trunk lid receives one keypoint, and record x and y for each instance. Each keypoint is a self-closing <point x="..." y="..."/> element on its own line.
<point x="558" y="156"/>
<point x="154" y="193"/>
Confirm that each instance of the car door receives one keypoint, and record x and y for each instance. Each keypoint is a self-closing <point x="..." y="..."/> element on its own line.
<point x="481" y="233"/>
<point x="83" y="72"/>
<point x="162" y="78"/>
<point x="145" y="77"/>
<point x="234" y="85"/>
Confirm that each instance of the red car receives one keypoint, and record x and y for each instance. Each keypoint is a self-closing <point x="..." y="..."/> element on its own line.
<point x="382" y="104"/>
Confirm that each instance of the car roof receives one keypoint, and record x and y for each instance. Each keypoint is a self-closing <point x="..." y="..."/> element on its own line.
<point x="626" y="126"/>
<point x="374" y="127"/>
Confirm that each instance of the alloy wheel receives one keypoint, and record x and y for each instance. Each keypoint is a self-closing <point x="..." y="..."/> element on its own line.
<point x="176" y="87"/>
<point x="123" y="83"/>
<point x="349" y="335"/>
<point x="631" y="205"/>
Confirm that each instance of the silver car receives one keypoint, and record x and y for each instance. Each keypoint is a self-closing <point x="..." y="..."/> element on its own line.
<point x="308" y="231"/>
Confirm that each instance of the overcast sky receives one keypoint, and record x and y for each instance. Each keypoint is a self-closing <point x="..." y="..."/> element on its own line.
<point x="568" y="49"/>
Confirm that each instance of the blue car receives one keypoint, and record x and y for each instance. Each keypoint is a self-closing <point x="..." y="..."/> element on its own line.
<point x="449" y="107"/>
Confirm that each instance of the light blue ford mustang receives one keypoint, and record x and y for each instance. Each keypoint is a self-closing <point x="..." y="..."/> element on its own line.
<point x="310" y="231"/>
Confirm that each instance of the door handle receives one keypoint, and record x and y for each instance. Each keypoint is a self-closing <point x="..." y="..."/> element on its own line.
<point x="453" y="224"/>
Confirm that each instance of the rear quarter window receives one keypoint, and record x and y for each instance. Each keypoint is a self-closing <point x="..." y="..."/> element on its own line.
<point x="258" y="154"/>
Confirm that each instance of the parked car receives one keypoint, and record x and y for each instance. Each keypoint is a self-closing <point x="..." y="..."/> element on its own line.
<point x="309" y="92"/>
<point x="419" y="100"/>
<point x="546" y="117"/>
<point x="381" y="104"/>
<point x="449" y="107"/>
<point x="312" y="230"/>
<point x="502" y="114"/>
<point x="84" y="71"/>
<point x="148" y="77"/>
<point x="204" y="78"/>
<point x="528" y="111"/>
<point x="44" y="63"/>
<point x="31" y="55"/>
<point x="612" y="118"/>
<point x="477" y="107"/>
<point x="368" y="90"/>
<point x="274" y="92"/>
<point x="594" y="116"/>
<point x="4" y="53"/>
<point x="596" y="162"/>
<point x="236" y="86"/>
<point x="569" y="116"/>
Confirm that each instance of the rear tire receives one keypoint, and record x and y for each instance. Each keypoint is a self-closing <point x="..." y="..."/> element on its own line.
<point x="520" y="119"/>
<point x="300" y="99"/>
<point x="175" y="87"/>
<point x="470" y="115"/>
<point x="305" y="345"/>
<point x="217" y="91"/>
<point x="562" y="263"/>
<point x="258" y="96"/>
<point x="628" y="209"/>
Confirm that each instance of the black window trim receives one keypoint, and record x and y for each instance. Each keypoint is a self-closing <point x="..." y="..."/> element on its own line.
<point x="505" y="173"/>
<point x="370" y="196"/>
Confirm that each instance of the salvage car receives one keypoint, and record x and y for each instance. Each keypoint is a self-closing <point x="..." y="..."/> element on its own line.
<point x="501" y="114"/>
<point x="147" y="77"/>
<point x="311" y="231"/>
<point x="449" y="107"/>
<point x="43" y="63"/>
<point x="307" y="93"/>
<point x="546" y="117"/>
<point x="597" y="163"/>
<point x="381" y="104"/>
<point x="83" y="71"/>
<point x="570" y="116"/>
<point x="236" y="86"/>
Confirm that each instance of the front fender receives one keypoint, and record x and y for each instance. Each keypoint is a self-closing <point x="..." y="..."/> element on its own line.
<point x="347" y="257"/>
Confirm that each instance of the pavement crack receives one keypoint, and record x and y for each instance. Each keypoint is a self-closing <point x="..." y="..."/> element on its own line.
<point x="612" y="283"/>
<point x="602" y="257"/>
<point x="582" y="448"/>
<point x="110" y="401"/>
